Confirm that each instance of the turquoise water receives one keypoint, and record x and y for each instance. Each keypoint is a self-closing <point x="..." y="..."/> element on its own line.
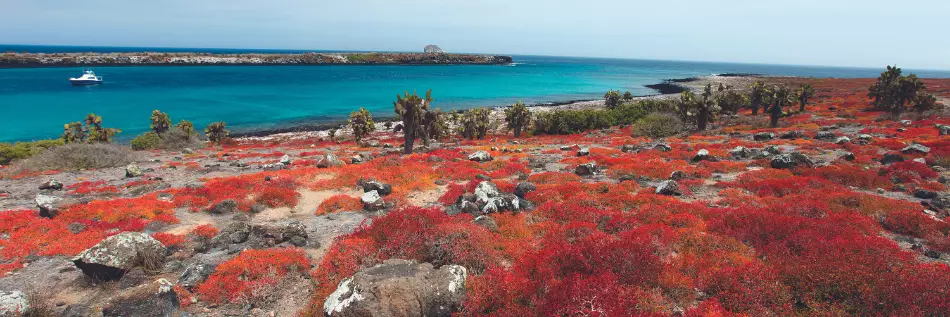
<point x="37" y="102"/>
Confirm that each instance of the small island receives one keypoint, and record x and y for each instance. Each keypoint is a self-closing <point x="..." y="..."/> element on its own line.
<point x="33" y="60"/>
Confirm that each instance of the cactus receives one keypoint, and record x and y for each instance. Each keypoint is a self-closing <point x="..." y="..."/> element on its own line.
<point x="91" y="132"/>
<point x="757" y="96"/>
<point x="517" y="117"/>
<point x="160" y="122"/>
<point x="474" y="124"/>
<point x="410" y="109"/>
<point x="217" y="131"/>
<point x="432" y="126"/>
<point x="361" y="122"/>
<point x="187" y="127"/>
<point x="73" y="133"/>
<point x="805" y="92"/>
<point x="781" y="97"/>
<point x="612" y="99"/>
<point x="627" y="96"/>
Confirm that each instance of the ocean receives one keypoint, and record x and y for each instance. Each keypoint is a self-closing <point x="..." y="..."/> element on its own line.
<point x="36" y="102"/>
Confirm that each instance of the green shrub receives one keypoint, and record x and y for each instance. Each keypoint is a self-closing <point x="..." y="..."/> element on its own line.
<point x="146" y="141"/>
<point x="572" y="121"/>
<point x="658" y="125"/>
<point x="361" y="121"/>
<point x="78" y="156"/>
<point x="630" y="112"/>
<point x="21" y="150"/>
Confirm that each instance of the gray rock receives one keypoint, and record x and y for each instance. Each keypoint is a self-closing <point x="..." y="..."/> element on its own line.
<point x="865" y="137"/>
<point x="669" y="188"/>
<point x="792" y="135"/>
<point x="583" y="152"/>
<point x="825" y="135"/>
<point x="227" y="206"/>
<point x="153" y="299"/>
<point x="51" y="184"/>
<point x="663" y="147"/>
<point x="848" y="157"/>
<point x="49" y="206"/>
<point x="76" y="228"/>
<point x="940" y="201"/>
<point x="372" y="202"/>
<point x="842" y="140"/>
<point x="433" y="49"/>
<point x="586" y="169"/>
<point x="763" y="136"/>
<point x="486" y="222"/>
<point x="906" y="122"/>
<point x="112" y="257"/>
<point x="199" y="271"/>
<point x="188" y="151"/>
<point x="329" y="160"/>
<point x="740" y="152"/>
<point x="370" y="184"/>
<point x="523" y="188"/>
<point x="627" y="148"/>
<point x="677" y="175"/>
<point x="485" y="191"/>
<point x="791" y="160"/>
<point x="943" y="129"/>
<point x="701" y="155"/>
<point x="915" y="148"/>
<point x="285" y="160"/>
<point x="399" y="288"/>
<point x="13" y="303"/>
<point x="133" y="170"/>
<point x="268" y="235"/>
<point x="480" y="156"/>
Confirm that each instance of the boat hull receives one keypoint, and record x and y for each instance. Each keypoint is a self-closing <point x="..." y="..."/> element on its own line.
<point x="85" y="82"/>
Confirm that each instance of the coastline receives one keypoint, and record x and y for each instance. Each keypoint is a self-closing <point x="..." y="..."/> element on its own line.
<point x="43" y="60"/>
<point x="321" y="130"/>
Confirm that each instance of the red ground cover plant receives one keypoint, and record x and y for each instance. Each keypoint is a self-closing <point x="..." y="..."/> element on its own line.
<point x="339" y="202"/>
<point x="251" y="272"/>
<point x="204" y="231"/>
<point x="170" y="240"/>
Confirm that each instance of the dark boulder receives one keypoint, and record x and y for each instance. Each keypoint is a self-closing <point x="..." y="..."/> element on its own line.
<point x="51" y="184"/>
<point x="370" y="184"/>
<point x="586" y="169"/>
<point x="891" y="158"/>
<point x="669" y="188"/>
<point x="523" y="188"/>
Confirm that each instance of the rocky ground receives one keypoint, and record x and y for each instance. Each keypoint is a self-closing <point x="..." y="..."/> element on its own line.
<point x="273" y="226"/>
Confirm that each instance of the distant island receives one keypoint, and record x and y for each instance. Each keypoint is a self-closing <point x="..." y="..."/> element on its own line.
<point x="31" y="60"/>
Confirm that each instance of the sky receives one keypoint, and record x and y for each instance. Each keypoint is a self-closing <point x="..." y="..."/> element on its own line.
<point x="863" y="33"/>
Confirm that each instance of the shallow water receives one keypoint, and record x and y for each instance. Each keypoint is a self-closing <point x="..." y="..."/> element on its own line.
<point x="37" y="102"/>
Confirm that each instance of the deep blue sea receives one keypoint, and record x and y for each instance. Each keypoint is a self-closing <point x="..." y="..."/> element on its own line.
<point x="37" y="102"/>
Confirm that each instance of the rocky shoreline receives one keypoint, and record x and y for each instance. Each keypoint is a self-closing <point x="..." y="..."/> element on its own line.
<point x="36" y="60"/>
<point x="671" y="88"/>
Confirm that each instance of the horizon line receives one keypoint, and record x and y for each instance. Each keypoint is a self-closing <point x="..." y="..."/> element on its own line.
<point x="522" y="54"/>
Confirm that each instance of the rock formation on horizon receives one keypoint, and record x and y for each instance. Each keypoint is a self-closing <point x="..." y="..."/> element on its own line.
<point x="433" y="49"/>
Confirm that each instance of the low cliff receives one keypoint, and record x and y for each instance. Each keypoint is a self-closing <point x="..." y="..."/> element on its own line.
<point x="27" y="60"/>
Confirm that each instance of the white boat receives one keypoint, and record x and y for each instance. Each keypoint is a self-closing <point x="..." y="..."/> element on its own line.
<point x="88" y="78"/>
